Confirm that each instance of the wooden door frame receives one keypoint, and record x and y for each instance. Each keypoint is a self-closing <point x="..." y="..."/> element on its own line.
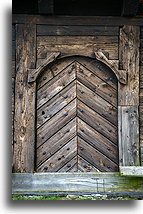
<point x="128" y="100"/>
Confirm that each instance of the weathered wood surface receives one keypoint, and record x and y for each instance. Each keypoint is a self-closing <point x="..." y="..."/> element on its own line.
<point x="129" y="61"/>
<point x="34" y="73"/>
<point x="75" y="182"/>
<point x="76" y="20"/>
<point x="24" y="118"/>
<point x="136" y="171"/>
<point x="70" y="95"/>
<point x="128" y="122"/>
<point x="83" y="50"/>
<point x="114" y="65"/>
<point x="141" y="96"/>
<point x="76" y="40"/>
<point x="43" y="30"/>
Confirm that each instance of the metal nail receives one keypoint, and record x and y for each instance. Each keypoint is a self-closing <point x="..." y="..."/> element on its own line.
<point x="82" y="130"/>
<point x="66" y="96"/>
<point x="81" y="148"/>
<point x="68" y="149"/>
<point x="81" y="71"/>
<point x="43" y="137"/>
<point x="68" y="165"/>
<point x="69" y="71"/>
<point x="44" y="153"/>
<point x="43" y="112"/>
<point x="81" y="110"/>
<point x="68" y="130"/>
<point x="44" y="78"/>
<point x="108" y="149"/>
<point x="108" y="167"/>
<point x="81" y="92"/>
<point x="110" y="95"/>
<point x="45" y="168"/>
<point x="110" y="130"/>
<point x="66" y="114"/>
<point x="84" y="165"/>
<point x="45" y="116"/>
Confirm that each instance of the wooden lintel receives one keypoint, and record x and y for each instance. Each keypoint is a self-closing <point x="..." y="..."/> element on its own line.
<point x="34" y="73"/>
<point x="136" y="171"/>
<point x="114" y="65"/>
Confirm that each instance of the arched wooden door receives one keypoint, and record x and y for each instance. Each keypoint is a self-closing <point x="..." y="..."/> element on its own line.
<point x="77" y="117"/>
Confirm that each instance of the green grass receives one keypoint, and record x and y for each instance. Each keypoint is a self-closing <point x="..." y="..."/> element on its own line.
<point x="69" y="197"/>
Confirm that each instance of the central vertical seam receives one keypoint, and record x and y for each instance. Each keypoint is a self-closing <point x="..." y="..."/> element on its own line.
<point x="76" y="114"/>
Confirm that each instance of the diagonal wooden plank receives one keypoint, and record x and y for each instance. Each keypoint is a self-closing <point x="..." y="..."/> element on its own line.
<point x="97" y="85"/>
<point x="97" y="122"/>
<point x="53" y="87"/>
<point x="100" y="70"/>
<point x="54" y="105"/>
<point x="53" y="70"/>
<point x="96" y="158"/>
<point x="85" y="166"/>
<point x="56" y="142"/>
<point x="60" y="158"/>
<point x="71" y="166"/>
<point x="97" y="140"/>
<point x="56" y="122"/>
<point x="98" y="104"/>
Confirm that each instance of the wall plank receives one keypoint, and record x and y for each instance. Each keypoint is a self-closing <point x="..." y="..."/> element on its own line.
<point x="129" y="61"/>
<point x="128" y="120"/>
<point x="24" y="100"/>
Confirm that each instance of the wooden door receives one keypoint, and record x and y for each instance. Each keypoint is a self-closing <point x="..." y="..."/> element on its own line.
<point x="76" y="117"/>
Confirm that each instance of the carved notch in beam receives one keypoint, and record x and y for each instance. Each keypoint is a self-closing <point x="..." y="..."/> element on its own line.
<point x="114" y="65"/>
<point x="34" y="73"/>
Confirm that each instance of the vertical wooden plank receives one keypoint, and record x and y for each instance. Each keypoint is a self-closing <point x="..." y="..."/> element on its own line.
<point x="128" y="120"/>
<point x="24" y="118"/>
<point x="129" y="61"/>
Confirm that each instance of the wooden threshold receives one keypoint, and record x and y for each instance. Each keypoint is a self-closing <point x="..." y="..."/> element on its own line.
<point x="74" y="182"/>
<point x="136" y="171"/>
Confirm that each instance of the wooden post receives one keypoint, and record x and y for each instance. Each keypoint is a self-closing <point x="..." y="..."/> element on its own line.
<point x="128" y="97"/>
<point x="24" y="120"/>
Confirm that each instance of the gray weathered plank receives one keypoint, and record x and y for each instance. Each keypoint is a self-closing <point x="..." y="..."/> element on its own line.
<point x="97" y="85"/>
<point x="54" y="86"/>
<point x="75" y="182"/>
<point x="97" y="159"/>
<point x="97" y="122"/>
<point x="136" y="171"/>
<point x="128" y="122"/>
<point x="97" y="103"/>
<point x="56" y="104"/>
<point x="56" y="122"/>
<point x="52" y="145"/>
<point x="60" y="158"/>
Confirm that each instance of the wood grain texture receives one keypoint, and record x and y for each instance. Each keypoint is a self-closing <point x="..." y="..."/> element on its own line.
<point x="86" y="77"/>
<point x="77" y="20"/>
<point x="128" y="122"/>
<point x="24" y="126"/>
<point x="114" y="65"/>
<point x="136" y="171"/>
<point x="76" y="183"/>
<point x="96" y="158"/>
<point x="64" y="155"/>
<point x="76" y="40"/>
<point x="129" y="60"/>
<point x="83" y="50"/>
<point x="58" y="118"/>
<point x="43" y="30"/>
<point x="55" y="85"/>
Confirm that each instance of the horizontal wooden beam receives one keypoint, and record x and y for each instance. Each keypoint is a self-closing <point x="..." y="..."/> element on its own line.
<point x="136" y="171"/>
<point x="74" y="182"/>
<point x="76" y="20"/>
